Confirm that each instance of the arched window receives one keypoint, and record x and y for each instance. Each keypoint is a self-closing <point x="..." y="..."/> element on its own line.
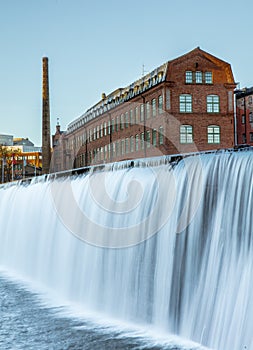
<point x="213" y="134"/>
<point x="186" y="134"/>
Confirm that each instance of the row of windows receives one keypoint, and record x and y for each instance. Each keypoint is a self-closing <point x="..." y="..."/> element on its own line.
<point x="128" y="145"/>
<point x="186" y="134"/>
<point x="198" y="77"/>
<point x="250" y="118"/>
<point x="186" y="137"/>
<point x="151" y="109"/>
<point x="244" y="101"/>
<point x="127" y="119"/>
<point x="250" y="137"/>
<point x="212" y="103"/>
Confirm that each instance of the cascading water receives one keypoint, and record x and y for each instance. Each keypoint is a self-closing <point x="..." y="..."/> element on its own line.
<point x="169" y="247"/>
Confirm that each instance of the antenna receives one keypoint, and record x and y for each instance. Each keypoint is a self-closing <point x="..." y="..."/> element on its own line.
<point x="143" y="70"/>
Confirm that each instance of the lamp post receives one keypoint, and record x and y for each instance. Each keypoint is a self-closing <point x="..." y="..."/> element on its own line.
<point x="3" y="163"/>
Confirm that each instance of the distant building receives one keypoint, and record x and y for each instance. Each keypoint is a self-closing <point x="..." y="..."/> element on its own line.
<point x="185" y="105"/>
<point x="6" y="140"/>
<point x="57" y="156"/>
<point x="25" y="145"/>
<point x="22" y="141"/>
<point x="244" y="116"/>
<point x="20" y="158"/>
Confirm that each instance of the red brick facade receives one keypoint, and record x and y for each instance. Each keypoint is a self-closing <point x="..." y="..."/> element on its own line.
<point x="244" y="116"/>
<point x="185" y="105"/>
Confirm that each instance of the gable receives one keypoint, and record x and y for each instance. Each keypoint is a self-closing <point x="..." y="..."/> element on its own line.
<point x="199" y="60"/>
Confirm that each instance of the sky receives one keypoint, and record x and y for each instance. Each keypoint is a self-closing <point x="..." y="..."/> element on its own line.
<point x="97" y="46"/>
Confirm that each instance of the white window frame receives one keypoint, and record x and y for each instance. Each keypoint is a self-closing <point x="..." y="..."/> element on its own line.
<point x="213" y="134"/>
<point x="185" y="103"/>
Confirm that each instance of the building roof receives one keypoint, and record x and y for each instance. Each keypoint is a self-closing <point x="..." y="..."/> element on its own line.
<point x="141" y="85"/>
<point x="120" y="96"/>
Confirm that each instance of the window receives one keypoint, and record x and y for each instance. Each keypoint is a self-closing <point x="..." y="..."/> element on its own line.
<point x="122" y="146"/>
<point x="251" y="137"/>
<point x="167" y="98"/>
<point x="154" y="137"/>
<point x="251" y="117"/>
<point x="147" y="110"/>
<point x="148" y="139"/>
<point x="117" y="124"/>
<point x="198" y="77"/>
<point x="117" y="148"/>
<point x="136" y="114"/>
<point x="142" y="113"/>
<point x="105" y="129"/>
<point x="137" y="142"/>
<point x="131" y="117"/>
<point x="131" y="144"/>
<point x="185" y="103"/>
<point x="208" y="77"/>
<point x="212" y="104"/>
<point x="243" y="138"/>
<point x="101" y="130"/>
<point x="213" y="134"/>
<point x="153" y="107"/>
<point x="113" y="125"/>
<point x="243" y="119"/>
<point x="122" y="121"/>
<point x="127" y="145"/>
<point x="186" y="134"/>
<point x="161" y="138"/>
<point x="109" y="127"/>
<point x="188" y="77"/>
<point x="142" y="140"/>
<point x="127" y="119"/>
<point x="160" y="104"/>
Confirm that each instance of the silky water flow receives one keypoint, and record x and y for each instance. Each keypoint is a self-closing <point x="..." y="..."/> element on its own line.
<point x="166" y="247"/>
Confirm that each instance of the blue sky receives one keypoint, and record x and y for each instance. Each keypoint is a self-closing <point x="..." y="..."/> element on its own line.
<point x="98" y="46"/>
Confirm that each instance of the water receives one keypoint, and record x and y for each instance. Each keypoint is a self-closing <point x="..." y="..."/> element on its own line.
<point x="30" y="321"/>
<point x="141" y="258"/>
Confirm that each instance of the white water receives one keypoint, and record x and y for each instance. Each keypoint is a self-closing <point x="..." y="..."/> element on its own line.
<point x="186" y="262"/>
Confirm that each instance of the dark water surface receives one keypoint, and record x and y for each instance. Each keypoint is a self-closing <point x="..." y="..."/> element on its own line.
<point x="25" y="323"/>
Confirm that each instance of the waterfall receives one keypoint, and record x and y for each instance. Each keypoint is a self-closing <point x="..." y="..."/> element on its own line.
<point x="166" y="246"/>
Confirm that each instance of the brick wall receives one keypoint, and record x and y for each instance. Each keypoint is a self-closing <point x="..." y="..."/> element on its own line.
<point x="162" y="130"/>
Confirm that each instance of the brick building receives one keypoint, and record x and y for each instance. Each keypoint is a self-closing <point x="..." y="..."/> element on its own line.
<point x="185" y="105"/>
<point x="244" y="116"/>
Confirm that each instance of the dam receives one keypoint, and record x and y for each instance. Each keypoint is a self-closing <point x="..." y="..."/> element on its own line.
<point x="163" y="248"/>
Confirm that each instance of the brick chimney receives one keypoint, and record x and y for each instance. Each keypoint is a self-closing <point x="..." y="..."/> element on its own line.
<point x="46" y="134"/>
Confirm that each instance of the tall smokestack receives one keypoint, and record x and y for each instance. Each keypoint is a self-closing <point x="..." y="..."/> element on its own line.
<point x="46" y="133"/>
